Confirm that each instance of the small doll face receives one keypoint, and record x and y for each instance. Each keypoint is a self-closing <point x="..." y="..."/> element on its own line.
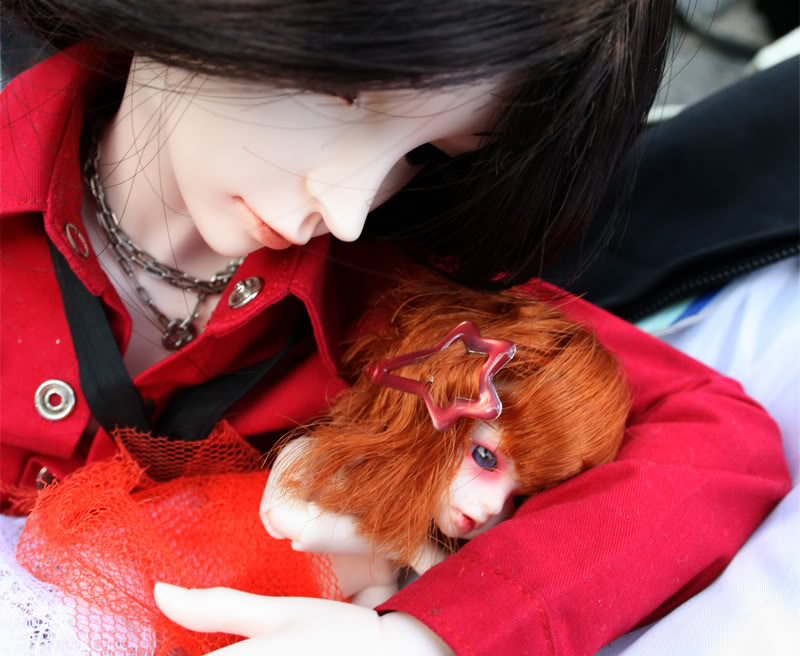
<point x="482" y="494"/>
<point x="258" y="166"/>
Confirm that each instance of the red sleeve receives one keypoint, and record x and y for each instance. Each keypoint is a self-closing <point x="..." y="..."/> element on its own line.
<point x="578" y="565"/>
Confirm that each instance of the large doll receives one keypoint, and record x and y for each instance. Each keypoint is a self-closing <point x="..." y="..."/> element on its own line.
<point x="166" y="141"/>
<point x="508" y="398"/>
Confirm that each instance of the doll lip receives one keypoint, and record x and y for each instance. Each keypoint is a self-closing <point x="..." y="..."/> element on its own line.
<point x="464" y="522"/>
<point x="262" y="232"/>
<point x="266" y="236"/>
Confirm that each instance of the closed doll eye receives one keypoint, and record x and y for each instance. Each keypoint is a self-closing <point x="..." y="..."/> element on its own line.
<point x="419" y="156"/>
<point x="484" y="458"/>
<point x="349" y="97"/>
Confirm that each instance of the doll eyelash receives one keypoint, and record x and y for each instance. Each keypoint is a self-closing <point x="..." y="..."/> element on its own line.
<point x="351" y="98"/>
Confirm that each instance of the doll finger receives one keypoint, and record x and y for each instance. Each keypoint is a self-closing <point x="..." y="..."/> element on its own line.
<point x="271" y="530"/>
<point x="213" y="610"/>
<point x="288" y="519"/>
<point x="210" y="610"/>
<point x="268" y="501"/>
<point x="296" y="643"/>
<point x="273" y="496"/>
<point x="270" y="527"/>
<point x="251" y="647"/>
<point x="273" y="533"/>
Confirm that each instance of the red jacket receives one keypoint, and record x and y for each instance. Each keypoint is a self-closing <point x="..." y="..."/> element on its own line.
<point x="577" y="566"/>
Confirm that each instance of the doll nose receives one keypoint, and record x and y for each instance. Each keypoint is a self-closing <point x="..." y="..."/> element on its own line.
<point x="497" y="503"/>
<point x="346" y="189"/>
<point x="342" y="207"/>
<point x="310" y="227"/>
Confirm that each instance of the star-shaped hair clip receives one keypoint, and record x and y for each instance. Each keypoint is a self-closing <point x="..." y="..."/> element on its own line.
<point x="487" y="406"/>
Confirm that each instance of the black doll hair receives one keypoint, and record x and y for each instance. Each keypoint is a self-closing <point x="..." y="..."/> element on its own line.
<point x="582" y="78"/>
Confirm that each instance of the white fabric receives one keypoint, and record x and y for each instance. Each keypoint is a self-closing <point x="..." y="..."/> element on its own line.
<point x="752" y="335"/>
<point x="36" y="619"/>
<point x="32" y="618"/>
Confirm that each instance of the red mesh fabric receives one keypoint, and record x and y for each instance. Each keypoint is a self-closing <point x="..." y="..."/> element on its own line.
<point x="222" y="453"/>
<point x="107" y="533"/>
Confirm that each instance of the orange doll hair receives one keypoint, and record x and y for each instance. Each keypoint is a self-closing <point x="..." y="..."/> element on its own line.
<point x="377" y="455"/>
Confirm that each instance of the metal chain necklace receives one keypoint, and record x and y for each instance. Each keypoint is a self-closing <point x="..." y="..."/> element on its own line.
<point x="175" y="333"/>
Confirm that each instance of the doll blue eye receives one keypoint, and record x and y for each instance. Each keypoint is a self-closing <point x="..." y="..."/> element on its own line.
<point x="483" y="457"/>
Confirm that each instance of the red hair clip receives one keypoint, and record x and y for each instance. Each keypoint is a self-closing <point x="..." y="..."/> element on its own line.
<point x="487" y="406"/>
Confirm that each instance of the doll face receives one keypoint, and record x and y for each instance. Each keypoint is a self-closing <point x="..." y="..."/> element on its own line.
<point x="257" y="166"/>
<point x="482" y="494"/>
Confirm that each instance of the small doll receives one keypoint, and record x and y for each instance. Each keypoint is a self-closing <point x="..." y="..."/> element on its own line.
<point x="388" y="479"/>
<point x="378" y="479"/>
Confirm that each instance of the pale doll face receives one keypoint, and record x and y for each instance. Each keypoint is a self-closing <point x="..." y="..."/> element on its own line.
<point x="482" y="494"/>
<point x="258" y="166"/>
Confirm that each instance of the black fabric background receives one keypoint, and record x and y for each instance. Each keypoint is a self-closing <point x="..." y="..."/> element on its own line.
<point x="717" y="194"/>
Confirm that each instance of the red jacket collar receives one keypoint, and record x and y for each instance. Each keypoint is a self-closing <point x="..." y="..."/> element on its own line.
<point x="41" y="113"/>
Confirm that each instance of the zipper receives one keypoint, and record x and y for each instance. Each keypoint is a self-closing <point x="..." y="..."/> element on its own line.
<point x="704" y="282"/>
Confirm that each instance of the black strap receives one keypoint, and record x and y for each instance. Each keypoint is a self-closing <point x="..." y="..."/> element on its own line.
<point x="194" y="410"/>
<point x="109" y="390"/>
<point x="105" y="382"/>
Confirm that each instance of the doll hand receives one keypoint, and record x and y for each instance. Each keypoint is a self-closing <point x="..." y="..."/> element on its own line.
<point x="287" y="516"/>
<point x="284" y="517"/>
<point x="310" y="528"/>
<point x="296" y="625"/>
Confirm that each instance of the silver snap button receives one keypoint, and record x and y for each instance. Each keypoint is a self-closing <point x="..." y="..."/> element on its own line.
<point x="245" y="291"/>
<point x="44" y="478"/>
<point x="76" y="240"/>
<point x="54" y="399"/>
